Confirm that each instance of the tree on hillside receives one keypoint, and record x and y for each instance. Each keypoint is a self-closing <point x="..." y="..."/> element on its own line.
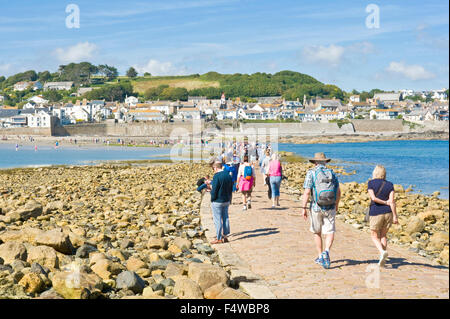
<point x="147" y="74"/>
<point x="79" y="73"/>
<point x="2" y="79"/>
<point x="44" y="76"/>
<point x="109" y="72"/>
<point x="52" y="96"/>
<point x="132" y="73"/>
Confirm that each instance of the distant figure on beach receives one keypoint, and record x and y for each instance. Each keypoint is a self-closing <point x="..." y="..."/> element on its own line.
<point x="275" y="173"/>
<point x="382" y="211"/>
<point x="221" y="194"/>
<point x="265" y="171"/>
<point x="322" y="185"/>
<point x="35" y="147"/>
<point x="247" y="179"/>
<point x="56" y="145"/>
<point x="17" y="147"/>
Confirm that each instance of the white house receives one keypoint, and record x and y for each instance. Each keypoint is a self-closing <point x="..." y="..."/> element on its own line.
<point x="131" y="101"/>
<point x="39" y="119"/>
<point x="29" y="105"/>
<point x="188" y="113"/>
<point x="146" y="115"/>
<point x="38" y="99"/>
<point x="77" y="114"/>
<point x="61" y="115"/>
<point x="250" y="114"/>
<point x="305" y="116"/>
<point x="387" y="97"/>
<point x="415" y="116"/>
<point x="58" y="86"/>
<point x="227" y="114"/>
<point x="325" y="115"/>
<point x="355" y="98"/>
<point x="440" y="95"/>
<point x="383" y="114"/>
<point x="22" y="86"/>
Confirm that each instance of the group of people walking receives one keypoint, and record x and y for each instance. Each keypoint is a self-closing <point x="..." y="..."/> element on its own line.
<point x="320" y="200"/>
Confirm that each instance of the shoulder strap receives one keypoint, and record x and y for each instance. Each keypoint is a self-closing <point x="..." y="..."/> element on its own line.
<point x="381" y="187"/>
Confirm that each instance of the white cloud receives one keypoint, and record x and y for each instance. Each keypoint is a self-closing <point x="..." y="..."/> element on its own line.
<point x="335" y="55"/>
<point x="155" y="67"/>
<point x="78" y="53"/>
<point x="331" y="55"/>
<point x="413" y="72"/>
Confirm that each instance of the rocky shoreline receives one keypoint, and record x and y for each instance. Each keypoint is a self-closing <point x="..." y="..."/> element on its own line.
<point x="423" y="220"/>
<point x="107" y="231"/>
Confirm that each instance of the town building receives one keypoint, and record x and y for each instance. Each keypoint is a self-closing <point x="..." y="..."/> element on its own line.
<point x="58" y="86"/>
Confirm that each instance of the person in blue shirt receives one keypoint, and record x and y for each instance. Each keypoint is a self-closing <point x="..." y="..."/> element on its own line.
<point x="382" y="211"/>
<point x="221" y="194"/>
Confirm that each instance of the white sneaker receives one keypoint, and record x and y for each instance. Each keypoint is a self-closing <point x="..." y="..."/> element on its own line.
<point x="244" y="208"/>
<point x="383" y="258"/>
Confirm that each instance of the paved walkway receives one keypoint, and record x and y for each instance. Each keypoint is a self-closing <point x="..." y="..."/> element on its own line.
<point x="277" y="247"/>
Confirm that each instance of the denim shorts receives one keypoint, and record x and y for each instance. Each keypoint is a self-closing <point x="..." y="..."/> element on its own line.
<point x="275" y="182"/>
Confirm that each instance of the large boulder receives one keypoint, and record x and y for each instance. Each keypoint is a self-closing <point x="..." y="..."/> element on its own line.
<point x="229" y="293"/>
<point x="438" y="240"/>
<point x="106" y="268"/>
<point x="186" y="288"/>
<point x="25" y="235"/>
<point x="43" y="255"/>
<point x="157" y="243"/>
<point x="131" y="281"/>
<point x="415" y="225"/>
<point x="12" y="250"/>
<point x="56" y="239"/>
<point x="182" y="243"/>
<point x="174" y="269"/>
<point x="32" y="283"/>
<point x="134" y="264"/>
<point x="32" y="209"/>
<point x="207" y="275"/>
<point x="76" y="284"/>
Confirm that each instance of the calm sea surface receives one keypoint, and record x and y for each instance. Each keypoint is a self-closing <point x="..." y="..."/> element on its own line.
<point x="423" y="164"/>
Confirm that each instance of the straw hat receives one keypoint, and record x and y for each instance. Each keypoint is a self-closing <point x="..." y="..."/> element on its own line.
<point x="319" y="157"/>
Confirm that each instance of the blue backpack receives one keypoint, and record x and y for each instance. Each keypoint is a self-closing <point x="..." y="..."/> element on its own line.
<point x="248" y="172"/>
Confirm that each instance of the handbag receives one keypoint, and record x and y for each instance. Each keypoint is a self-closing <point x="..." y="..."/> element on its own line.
<point x="367" y="217"/>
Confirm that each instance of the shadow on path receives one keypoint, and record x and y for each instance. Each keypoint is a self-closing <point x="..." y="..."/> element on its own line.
<point x="391" y="263"/>
<point x="255" y="233"/>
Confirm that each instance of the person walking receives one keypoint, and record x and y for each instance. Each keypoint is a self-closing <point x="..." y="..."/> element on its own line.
<point x="247" y="179"/>
<point x="322" y="185"/>
<point x="382" y="210"/>
<point x="275" y="173"/>
<point x="221" y="193"/>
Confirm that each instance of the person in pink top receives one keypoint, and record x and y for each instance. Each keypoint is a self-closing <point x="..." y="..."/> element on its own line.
<point x="275" y="173"/>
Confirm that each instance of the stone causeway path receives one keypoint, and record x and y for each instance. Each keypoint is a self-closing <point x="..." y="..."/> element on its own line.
<point x="271" y="255"/>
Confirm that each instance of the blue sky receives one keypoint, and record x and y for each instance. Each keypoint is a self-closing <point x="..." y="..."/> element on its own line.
<point x="328" y="40"/>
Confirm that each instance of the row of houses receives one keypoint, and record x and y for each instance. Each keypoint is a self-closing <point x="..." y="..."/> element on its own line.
<point x="37" y="85"/>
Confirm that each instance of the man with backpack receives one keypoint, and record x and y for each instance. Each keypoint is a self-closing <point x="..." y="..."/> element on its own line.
<point x="322" y="185"/>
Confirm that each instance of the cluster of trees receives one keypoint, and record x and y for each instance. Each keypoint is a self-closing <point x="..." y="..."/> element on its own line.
<point x="111" y="92"/>
<point x="289" y="84"/>
<point x="164" y="92"/>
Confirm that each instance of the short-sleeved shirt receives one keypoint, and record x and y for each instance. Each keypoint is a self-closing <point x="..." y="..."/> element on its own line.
<point x="308" y="184"/>
<point x="378" y="209"/>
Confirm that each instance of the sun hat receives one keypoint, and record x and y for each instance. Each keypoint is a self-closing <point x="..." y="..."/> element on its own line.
<point x="319" y="157"/>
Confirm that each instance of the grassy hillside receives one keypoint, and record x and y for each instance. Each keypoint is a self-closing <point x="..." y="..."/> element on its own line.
<point x="143" y="84"/>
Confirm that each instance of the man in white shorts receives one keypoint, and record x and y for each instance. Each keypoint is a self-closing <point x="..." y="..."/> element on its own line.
<point x="322" y="185"/>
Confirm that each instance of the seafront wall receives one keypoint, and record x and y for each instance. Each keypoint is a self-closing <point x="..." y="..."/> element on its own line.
<point x="356" y="127"/>
<point x="35" y="131"/>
